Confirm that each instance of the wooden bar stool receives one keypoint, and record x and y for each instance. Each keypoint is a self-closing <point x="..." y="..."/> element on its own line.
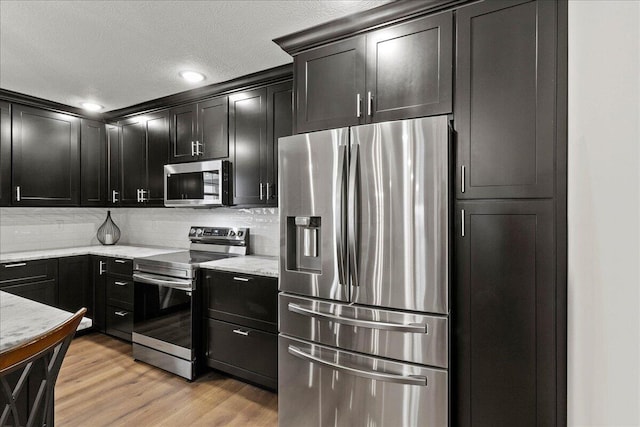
<point x="36" y="363"/>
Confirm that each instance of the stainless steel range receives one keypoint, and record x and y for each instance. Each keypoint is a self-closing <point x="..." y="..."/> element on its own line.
<point x="167" y="300"/>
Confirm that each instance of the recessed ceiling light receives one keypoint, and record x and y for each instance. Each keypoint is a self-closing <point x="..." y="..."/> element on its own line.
<point x="192" y="76"/>
<point x="91" y="106"/>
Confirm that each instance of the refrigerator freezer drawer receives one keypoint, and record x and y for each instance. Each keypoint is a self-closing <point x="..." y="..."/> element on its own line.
<point x="408" y="337"/>
<point x="320" y="386"/>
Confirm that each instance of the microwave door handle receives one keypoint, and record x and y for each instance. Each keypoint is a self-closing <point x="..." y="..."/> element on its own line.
<point x="365" y="373"/>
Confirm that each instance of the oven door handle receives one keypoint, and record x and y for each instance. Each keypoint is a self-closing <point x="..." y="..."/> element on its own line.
<point x="186" y="285"/>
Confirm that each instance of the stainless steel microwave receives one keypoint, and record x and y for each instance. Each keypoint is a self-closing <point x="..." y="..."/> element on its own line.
<point x="197" y="184"/>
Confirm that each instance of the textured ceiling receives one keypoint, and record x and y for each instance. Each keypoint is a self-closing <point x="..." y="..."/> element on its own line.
<point x="121" y="53"/>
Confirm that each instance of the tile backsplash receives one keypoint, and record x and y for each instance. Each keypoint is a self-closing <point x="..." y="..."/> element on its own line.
<point x="23" y="229"/>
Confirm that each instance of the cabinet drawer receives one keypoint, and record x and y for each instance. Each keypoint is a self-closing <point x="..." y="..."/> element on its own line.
<point x="119" y="322"/>
<point x="243" y="299"/>
<point x="244" y="348"/>
<point x="120" y="266"/>
<point x="45" y="292"/>
<point x="120" y="292"/>
<point x="13" y="273"/>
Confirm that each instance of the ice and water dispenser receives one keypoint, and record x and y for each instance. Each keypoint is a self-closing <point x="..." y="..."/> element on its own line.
<point x="303" y="243"/>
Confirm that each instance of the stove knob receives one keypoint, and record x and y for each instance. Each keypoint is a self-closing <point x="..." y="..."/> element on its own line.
<point x="232" y="233"/>
<point x="240" y="233"/>
<point x="199" y="232"/>
<point x="192" y="232"/>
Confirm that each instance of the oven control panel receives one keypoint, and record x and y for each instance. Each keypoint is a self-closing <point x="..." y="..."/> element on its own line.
<point x="224" y="235"/>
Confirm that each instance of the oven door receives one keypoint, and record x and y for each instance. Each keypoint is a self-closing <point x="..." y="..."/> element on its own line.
<point x="163" y="314"/>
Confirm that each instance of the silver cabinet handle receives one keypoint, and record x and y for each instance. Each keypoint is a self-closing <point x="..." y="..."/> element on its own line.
<point x="261" y="191"/>
<point x="198" y="151"/>
<point x="18" y="264"/>
<point x="120" y="261"/>
<point x="462" y="222"/>
<point x="268" y="195"/>
<point x="193" y="148"/>
<point x="138" y="195"/>
<point x="463" y="178"/>
<point x="241" y="279"/>
<point x="358" y="106"/>
<point x="419" y="328"/>
<point x="369" y="103"/>
<point x="121" y="283"/>
<point x="101" y="267"/>
<point x="114" y="196"/>
<point x="399" y="379"/>
<point x="18" y="197"/>
<point x="241" y="332"/>
<point x="120" y="313"/>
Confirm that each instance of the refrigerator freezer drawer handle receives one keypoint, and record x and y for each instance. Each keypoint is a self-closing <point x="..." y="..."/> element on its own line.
<point x="398" y="379"/>
<point x="419" y="328"/>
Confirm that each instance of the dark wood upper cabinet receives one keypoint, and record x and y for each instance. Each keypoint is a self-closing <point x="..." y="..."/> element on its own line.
<point x="93" y="163"/>
<point x="409" y="69"/>
<point x="200" y="131"/>
<point x="46" y="158"/>
<point x="330" y="85"/>
<point x="5" y="154"/>
<point x="144" y="150"/>
<point x="157" y="131"/>
<point x="247" y="140"/>
<point x="113" y="165"/>
<point x="279" y="124"/>
<point x="183" y="130"/>
<point x="398" y="72"/>
<point x="213" y="129"/>
<point x="504" y="310"/>
<point x="505" y="99"/>
<point x="133" y="161"/>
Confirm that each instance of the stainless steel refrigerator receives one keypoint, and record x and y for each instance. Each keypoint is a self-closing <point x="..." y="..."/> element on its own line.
<point x="364" y="276"/>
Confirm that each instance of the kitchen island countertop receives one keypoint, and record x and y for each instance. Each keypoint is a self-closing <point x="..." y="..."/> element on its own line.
<point x="22" y="320"/>
<point x="251" y="264"/>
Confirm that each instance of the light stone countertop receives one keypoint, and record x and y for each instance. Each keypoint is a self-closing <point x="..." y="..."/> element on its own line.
<point x="250" y="264"/>
<point x="21" y="320"/>
<point x="118" y="251"/>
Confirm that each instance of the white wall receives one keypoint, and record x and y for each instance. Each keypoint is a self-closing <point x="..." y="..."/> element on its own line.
<point x="604" y="214"/>
<point x="23" y="229"/>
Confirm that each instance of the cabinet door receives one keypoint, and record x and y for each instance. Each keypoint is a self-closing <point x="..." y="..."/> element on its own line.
<point x="279" y="124"/>
<point x="45" y="292"/>
<point x="409" y="69"/>
<point x="99" y="271"/>
<point x="113" y="146"/>
<point x="505" y="99"/>
<point x="133" y="161"/>
<point x="93" y="163"/>
<point x="46" y="158"/>
<point x="74" y="284"/>
<point x="213" y="129"/>
<point x="157" y="129"/>
<point x="504" y="314"/>
<point x="5" y="154"/>
<point x="247" y="138"/>
<point x="330" y="86"/>
<point x="183" y="133"/>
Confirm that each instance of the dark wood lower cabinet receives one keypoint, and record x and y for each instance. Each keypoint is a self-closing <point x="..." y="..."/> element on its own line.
<point x="504" y="311"/>
<point x="74" y="284"/>
<point x="113" y="296"/>
<point x="36" y="280"/>
<point x="241" y="326"/>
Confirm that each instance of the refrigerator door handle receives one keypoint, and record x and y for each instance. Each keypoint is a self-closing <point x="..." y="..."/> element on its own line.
<point x="420" y="328"/>
<point x="392" y="378"/>
<point x="354" y="213"/>
<point x="340" y="206"/>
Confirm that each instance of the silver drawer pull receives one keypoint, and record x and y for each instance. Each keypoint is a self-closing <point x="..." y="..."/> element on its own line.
<point x="241" y="279"/>
<point x="121" y="313"/>
<point x="121" y="283"/>
<point x="241" y="332"/>
<point x="121" y="261"/>
<point x="19" y="264"/>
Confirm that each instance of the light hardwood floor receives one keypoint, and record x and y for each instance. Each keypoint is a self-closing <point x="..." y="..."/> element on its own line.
<point x="101" y="385"/>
